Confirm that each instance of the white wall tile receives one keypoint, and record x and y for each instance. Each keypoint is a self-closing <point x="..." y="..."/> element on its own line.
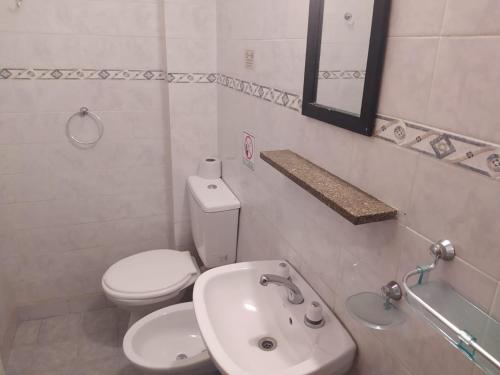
<point x="452" y="202"/>
<point x="416" y="17"/>
<point x="374" y="158"/>
<point x="451" y="362"/>
<point x="194" y="19"/>
<point x="372" y="356"/>
<point x="7" y="316"/>
<point x="194" y="137"/>
<point x="115" y="200"/>
<point x="465" y="87"/>
<point x="70" y="96"/>
<point x="465" y="278"/>
<point x="280" y="19"/>
<point x="191" y="55"/>
<point x="130" y="18"/>
<point x="405" y="90"/>
<point x="16" y="159"/>
<point x="183" y="236"/>
<point x="471" y="18"/>
<point x="85" y="51"/>
<point x="69" y="213"/>
<point x="190" y="28"/>
<point x="435" y="200"/>
<point x="277" y="63"/>
<point x="495" y="309"/>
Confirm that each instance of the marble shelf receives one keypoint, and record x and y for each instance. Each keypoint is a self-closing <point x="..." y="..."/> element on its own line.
<point x="352" y="203"/>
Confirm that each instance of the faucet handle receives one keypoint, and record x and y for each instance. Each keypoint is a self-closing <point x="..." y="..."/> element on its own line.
<point x="314" y="316"/>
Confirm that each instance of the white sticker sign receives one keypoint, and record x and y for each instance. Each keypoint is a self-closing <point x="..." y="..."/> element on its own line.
<point x="249" y="150"/>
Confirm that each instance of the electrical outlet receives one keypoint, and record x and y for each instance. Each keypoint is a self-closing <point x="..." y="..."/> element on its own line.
<point x="249" y="59"/>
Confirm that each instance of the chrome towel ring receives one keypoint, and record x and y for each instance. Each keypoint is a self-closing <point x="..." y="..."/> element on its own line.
<point x="84" y="111"/>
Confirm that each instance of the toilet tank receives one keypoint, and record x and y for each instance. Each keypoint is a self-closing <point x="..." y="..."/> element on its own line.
<point x="214" y="220"/>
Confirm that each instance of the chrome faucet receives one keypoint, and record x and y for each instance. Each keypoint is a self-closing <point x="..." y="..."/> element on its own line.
<point x="294" y="294"/>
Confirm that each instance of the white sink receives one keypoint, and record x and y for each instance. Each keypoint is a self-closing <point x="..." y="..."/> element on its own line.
<point x="234" y="312"/>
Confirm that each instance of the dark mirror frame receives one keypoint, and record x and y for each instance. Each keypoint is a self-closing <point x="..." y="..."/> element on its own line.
<point x="365" y="122"/>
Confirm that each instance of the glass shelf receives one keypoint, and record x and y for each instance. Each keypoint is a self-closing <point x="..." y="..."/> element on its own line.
<point x="465" y="315"/>
<point x="374" y="311"/>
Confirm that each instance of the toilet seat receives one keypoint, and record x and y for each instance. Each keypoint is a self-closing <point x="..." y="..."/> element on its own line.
<point x="150" y="275"/>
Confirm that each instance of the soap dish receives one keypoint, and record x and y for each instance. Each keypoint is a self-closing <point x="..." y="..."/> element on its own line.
<point x="374" y="311"/>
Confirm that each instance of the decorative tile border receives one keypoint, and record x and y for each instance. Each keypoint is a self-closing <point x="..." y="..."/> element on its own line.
<point x="269" y="94"/>
<point x="474" y="155"/>
<point x="192" y="77"/>
<point x="477" y="156"/>
<point x="341" y="74"/>
<point x="82" y="74"/>
<point x="105" y="74"/>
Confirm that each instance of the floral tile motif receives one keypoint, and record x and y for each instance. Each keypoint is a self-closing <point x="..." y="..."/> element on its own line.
<point x="493" y="163"/>
<point x="442" y="146"/>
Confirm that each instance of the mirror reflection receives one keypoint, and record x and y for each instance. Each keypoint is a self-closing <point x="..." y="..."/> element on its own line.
<point x="345" y="42"/>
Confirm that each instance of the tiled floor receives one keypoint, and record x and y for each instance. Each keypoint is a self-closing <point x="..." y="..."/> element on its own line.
<point x="75" y="344"/>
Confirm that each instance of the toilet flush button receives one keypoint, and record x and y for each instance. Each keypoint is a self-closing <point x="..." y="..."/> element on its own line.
<point x="212" y="186"/>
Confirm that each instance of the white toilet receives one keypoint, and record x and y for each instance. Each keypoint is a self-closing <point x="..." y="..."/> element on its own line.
<point x="149" y="280"/>
<point x="154" y="279"/>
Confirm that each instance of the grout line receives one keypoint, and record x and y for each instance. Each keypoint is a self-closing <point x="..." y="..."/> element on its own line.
<point x="414" y="36"/>
<point x="468" y="36"/>
<point x="496" y="298"/>
<point x="433" y="80"/>
<point x="264" y="39"/>
<point x="435" y="63"/>
<point x="153" y="110"/>
<point x="410" y="201"/>
<point x="445" y="36"/>
<point x="69" y="34"/>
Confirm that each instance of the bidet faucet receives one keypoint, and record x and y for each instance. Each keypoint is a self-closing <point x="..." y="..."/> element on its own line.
<point x="294" y="294"/>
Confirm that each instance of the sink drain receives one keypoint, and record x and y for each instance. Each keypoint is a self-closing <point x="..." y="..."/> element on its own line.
<point x="267" y="344"/>
<point x="181" y="356"/>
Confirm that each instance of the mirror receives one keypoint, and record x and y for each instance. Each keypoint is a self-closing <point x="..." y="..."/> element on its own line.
<point x="344" y="60"/>
<point x="344" y="54"/>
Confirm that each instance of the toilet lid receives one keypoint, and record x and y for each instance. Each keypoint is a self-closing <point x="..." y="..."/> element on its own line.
<point x="150" y="274"/>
